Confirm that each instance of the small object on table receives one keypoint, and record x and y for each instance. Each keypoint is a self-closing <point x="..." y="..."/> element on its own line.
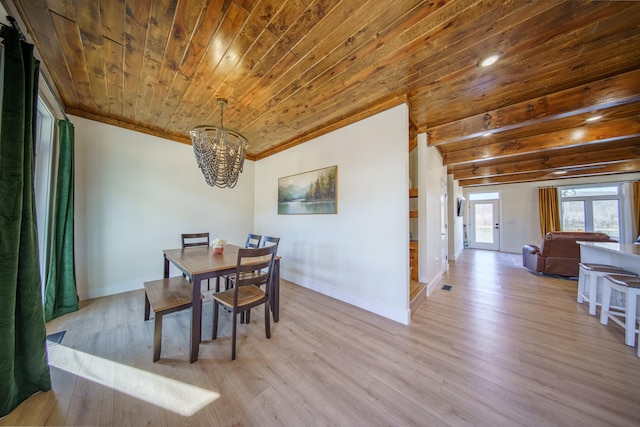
<point x="218" y="245"/>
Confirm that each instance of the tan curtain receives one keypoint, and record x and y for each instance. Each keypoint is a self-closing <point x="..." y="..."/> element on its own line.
<point x="635" y="197"/>
<point x="549" y="210"/>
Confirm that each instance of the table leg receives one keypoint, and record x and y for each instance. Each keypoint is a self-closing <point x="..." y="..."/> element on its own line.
<point x="166" y="267"/>
<point x="196" y="318"/>
<point x="147" y="306"/>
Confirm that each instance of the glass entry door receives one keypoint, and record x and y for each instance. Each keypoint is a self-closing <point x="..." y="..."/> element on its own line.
<point x="485" y="224"/>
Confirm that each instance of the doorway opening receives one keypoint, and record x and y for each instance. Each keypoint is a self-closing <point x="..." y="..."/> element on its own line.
<point x="484" y="221"/>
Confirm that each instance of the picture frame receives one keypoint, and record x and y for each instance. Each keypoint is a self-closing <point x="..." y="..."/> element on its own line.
<point x="460" y="206"/>
<point x="307" y="193"/>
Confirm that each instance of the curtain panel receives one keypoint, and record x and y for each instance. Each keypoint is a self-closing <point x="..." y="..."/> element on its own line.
<point x="23" y="358"/>
<point x="61" y="296"/>
<point x="549" y="210"/>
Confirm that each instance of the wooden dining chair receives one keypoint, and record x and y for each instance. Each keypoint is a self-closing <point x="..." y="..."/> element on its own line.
<point x="190" y="240"/>
<point x="270" y="241"/>
<point x="253" y="241"/>
<point x="266" y="242"/>
<point x="253" y="269"/>
<point x="195" y="239"/>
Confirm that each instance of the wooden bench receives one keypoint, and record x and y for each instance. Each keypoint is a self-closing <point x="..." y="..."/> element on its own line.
<point x="165" y="296"/>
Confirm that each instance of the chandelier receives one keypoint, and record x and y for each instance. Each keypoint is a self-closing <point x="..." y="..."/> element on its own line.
<point x="219" y="151"/>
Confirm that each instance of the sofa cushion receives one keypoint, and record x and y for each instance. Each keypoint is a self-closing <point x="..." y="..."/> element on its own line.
<point x="559" y="252"/>
<point x="563" y="243"/>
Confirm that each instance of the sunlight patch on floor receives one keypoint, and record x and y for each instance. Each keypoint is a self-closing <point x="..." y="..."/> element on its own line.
<point x="175" y="396"/>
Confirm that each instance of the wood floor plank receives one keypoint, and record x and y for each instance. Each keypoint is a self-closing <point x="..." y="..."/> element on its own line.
<point x="503" y="347"/>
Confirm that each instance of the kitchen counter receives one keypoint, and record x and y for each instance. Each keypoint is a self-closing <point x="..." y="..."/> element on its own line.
<point x="624" y="255"/>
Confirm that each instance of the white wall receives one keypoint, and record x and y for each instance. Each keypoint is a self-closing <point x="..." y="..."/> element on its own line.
<point x="456" y="229"/>
<point x="432" y="174"/>
<point x="361" y="254"/>
<point x="520" y="223"/>
<point x="135" y="195"/>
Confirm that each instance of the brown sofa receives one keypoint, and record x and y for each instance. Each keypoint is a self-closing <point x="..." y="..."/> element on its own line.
<point x="559" y="253"/>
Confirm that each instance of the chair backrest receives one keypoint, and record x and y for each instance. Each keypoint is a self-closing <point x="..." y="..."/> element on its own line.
<point x="195" y="239"/>
<point x="254" y="267"/>
<point x="270" y="241"/>
<point x="253" y="241"/>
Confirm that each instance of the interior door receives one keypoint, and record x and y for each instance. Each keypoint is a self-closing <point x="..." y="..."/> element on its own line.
<point x="444" y="225"/>
<point x="485" y="224"/>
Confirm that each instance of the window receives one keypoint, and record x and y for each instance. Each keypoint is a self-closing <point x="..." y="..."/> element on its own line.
<point x="43" y="182"/>
<point x="591" y="208"/>
<point x="484" y="196"/>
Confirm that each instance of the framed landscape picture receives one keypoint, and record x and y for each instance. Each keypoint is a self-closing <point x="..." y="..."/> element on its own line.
<point x="313" y="192"/>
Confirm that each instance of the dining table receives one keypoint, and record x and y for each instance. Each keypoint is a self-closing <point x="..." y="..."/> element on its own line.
<point x="200" y="263"/>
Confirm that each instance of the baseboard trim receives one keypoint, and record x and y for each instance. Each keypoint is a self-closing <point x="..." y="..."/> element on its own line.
<point x="417" y="300"/>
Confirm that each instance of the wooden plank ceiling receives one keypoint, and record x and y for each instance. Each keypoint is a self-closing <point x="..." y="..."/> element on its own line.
<point x="294" y="69"/>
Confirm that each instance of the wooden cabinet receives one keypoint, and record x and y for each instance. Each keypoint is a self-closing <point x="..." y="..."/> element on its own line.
<point x="413" y="259"/>
<point x="413" y="244"/>
<point x="413" y="193"/>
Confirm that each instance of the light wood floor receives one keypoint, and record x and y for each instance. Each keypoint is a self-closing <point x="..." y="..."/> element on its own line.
<point x="503" y="347"/>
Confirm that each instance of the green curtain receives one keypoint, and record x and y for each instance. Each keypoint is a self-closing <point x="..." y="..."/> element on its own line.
<point x="23" y="355"/>
<point x="61" y="294"/>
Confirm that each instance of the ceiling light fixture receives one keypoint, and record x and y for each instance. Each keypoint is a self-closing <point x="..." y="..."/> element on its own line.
<point x="220" y="152"/>
<point x="489" y="60"/>
<point x="593" y="119"/>
<point x="577" y="134"/>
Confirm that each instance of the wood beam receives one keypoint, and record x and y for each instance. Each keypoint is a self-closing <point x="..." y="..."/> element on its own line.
<point x="609" y="169"/>
<point x="413" y="135"/>
<point x="570" y="157"/>
<point x="605" y="93"/>
<point x="597" y="132"/>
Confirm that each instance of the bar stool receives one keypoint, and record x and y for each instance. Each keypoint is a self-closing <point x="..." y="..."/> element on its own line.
<point x="630" y="286"/>
<point x="590" y="277"/>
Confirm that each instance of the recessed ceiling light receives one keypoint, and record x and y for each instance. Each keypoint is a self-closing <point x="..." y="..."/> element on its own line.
<point x="594" y="118"/>
<point x="577" y="134"/>
<point x="559" y="172"/>
<point x="486" y="134"/>
<point x="489" y="60"/>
